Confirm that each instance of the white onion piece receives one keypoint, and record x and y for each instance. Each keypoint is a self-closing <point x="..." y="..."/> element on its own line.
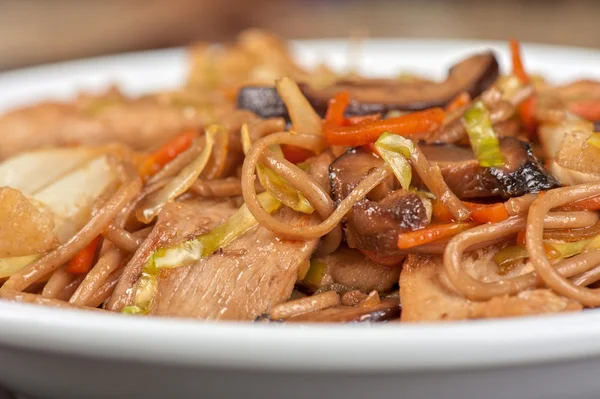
<point x="551" y="135"/>
<point x="10" y="266"/>
<point x="303" y="116"/>
<point x="570" y="177"/>
<point x="31" y="171"/>
<point x="70" y="198"/>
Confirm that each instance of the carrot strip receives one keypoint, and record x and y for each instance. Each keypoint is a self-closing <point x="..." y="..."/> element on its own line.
<point x="357" y="120"/>
<point x="336" y="108"/>
<point x="480" y="213"/>
<point x="415" y="125"/>
<point x="388" y="261"/>
<point x="588" y="204"/>
<point x="492" y="213"/>
<point x="165" y="154"/>
<point x="527" y="108"/>
<point x="430" y="234"/>
<point x="463" y="98"/>
<point x="517" y="62"/>
<point x="296" y="154"/>
<point x="521" y="238"/>
<point x="587" y="109"/>
<point x="82" y="262"/>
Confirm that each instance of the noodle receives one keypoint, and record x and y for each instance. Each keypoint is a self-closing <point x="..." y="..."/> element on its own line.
<point x="24" y="297"/>
<point x="122" y="238"/>
<point x="57" y="283"/>
<point x="98" y="223"/>
<point x="71" y="288"/>
<point x="574" y="220"/>
<point x="519" y="205"/>
<point x="304" y="305"/>
<point x="486" y="235"/>
<point x="432" y="177"/>
<point x="534" y="235"/>
<point x="107" y="264"/>
<point x="305" y="232"/>
<point x="105" y="291"/>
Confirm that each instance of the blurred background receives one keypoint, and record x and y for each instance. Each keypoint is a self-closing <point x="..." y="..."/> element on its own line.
<point x="40" y="31"/>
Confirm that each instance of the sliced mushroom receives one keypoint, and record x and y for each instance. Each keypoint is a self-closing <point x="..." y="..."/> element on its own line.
<point x="374" y="225"/>
<point x="521" y="174"/>
<point x="472" y="75"/>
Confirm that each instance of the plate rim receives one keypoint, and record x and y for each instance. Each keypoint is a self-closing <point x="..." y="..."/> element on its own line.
<point x="394" y="347"/>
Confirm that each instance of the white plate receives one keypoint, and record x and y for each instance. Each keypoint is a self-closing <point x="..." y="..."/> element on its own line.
<point x="69" y="354"/>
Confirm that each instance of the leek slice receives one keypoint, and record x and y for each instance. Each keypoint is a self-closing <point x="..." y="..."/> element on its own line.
<point x="483" y="139"/>
<point x="396" y="151"/>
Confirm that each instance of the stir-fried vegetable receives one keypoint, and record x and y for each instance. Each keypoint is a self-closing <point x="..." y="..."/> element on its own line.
<point x="10" y="266"/>
<point x="512" y="255"/>
<point x="588" y="204"/>
<point x="461" y="100"/>
<point x="167" y="153"/>
<point x="568" y="249"/>
<point x="276" y="185"/>
<point x="396" y="150"/>
<point x="83" y="261"/>
<point x="527" y="108"/>
<point x="315" y="274"/>
<point x="483" y="139"/>
<point x="336" y="108"/>
<point x="588" y="109"/>
<point x="430" y="234"/>
<point x="509" y="257"/>
<point x="303" y="116"/>
<point x="414" y="125"/>
<point x="184" y="179"/>
<point x="595" y="140"/>
<point x="193" y="250"/>
<point x="480" y="213"/>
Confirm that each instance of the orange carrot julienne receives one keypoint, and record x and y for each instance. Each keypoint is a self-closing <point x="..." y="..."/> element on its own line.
<point x="415" y="125"/>
<point x="480" y="213"/>
<point x="491" y="213"/>
<point x="527" y="108"/>
<point x="587" y="109"/>
<point x="517" y="62"/>
<point x="165" y="154"/>
<point x="521" y="238"/>
<point x="430" y="234"/>
<point x="357" y="120"/>
<point x="83" y="260"/>
<point x="296" y="154"/>
<point x="462" y="99"/>
<point x="336" y="108"/>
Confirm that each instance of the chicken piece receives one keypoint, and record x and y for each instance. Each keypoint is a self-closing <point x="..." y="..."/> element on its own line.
<point x="577" y="161"/>
<point x="247" y="278"/>
<point x="251" y="275"/>
<point x="427" y="295"/>
<point x="141" y="123"/>
<point x="177" y="222"/>
<point x="351" y="268"/>
<point x="26" y="228"/>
